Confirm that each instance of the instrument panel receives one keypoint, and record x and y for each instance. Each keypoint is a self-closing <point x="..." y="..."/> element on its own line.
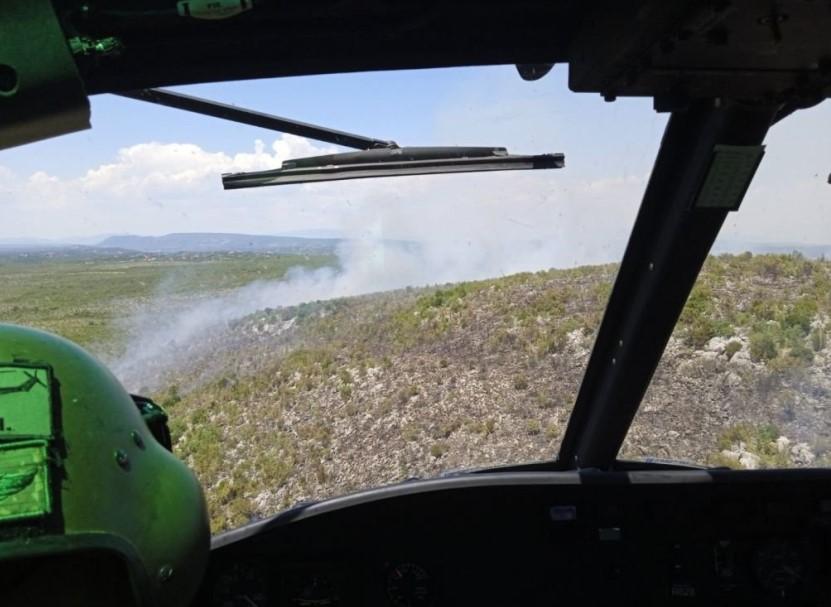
<point x="521" y="538"/>
<point x="248" y="583"/>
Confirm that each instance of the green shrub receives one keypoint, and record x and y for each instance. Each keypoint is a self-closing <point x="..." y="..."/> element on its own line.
<point x="552" y="431"/>
<point x="410" y="432"/>
<point x="818" y="339"/>
<point x="763" y="308"/>
<point x="732" y="348"/>
<point x="486" y="427"/>
<point x="801" y="353"/>
<point x="700" y="319"/>
<point x="438" y="449"/>
<point x="719" y="460"/>
<point x="406" y="393"/>
<point x="171" y="398"/>
<point x="446" y="428"/>
<point x="759" y="440"/>
<point x="345" y="392"/>
<point x="763" y="345"/>
<point x="800" y="315"/>
<point x="702" y="329"/>
<point x="449" y="297"/>
<point x="767" y="433"/>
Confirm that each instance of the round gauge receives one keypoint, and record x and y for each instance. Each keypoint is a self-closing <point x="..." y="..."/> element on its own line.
<point x="241" y="584"/>
<point x="313" y="589"/>
<point x="409" y="585"/>
<point x="779" y="567"/>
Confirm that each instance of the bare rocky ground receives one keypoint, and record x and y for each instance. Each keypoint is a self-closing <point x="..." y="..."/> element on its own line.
<point x="329" y="397"/>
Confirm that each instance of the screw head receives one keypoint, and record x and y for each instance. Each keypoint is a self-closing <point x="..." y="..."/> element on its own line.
<point x="165" y="573"/>
<point x="137" y="439"/>
<point x="122" y="459"/>
<point x="9" y="80"/>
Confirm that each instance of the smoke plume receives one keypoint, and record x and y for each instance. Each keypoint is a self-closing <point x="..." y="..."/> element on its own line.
<point x="162" y="334"/>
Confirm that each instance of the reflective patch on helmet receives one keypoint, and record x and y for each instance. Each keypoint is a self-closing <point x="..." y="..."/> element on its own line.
<point x="24" y="480"/>
<point x="25" y="402"/>
<point x="26" y="430"/>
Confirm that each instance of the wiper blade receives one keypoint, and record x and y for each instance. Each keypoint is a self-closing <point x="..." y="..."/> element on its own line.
<point x="391" y="163"/>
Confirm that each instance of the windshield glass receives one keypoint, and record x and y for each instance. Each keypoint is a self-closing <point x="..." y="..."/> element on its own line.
<point x="311" y="340"/>
<point x="744" y="381"/>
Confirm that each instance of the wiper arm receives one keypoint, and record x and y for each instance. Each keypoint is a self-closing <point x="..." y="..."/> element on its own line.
<point x="259" y="119"/>
<point x="390" y="163"/>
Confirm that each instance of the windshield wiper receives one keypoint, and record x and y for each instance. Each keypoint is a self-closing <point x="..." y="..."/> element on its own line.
<point x="392" y="162"/>
<point x="378" y="158"/>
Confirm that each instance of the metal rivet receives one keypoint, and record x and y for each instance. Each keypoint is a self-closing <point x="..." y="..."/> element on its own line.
<point x="8" y="80"/>
<point x="620" y="343"/>
<point x="614" y="361"/>
<point x="137" y="439"/>
<point x="122" y="459"/>
<point x="165" y="573"/>
<point x="651" y="266"/>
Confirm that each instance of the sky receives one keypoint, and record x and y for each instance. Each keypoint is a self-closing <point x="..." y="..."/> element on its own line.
<point x="145" y="169"/>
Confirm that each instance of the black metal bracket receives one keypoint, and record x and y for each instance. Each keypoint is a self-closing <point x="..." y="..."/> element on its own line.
<point x="41" y="92"/>
<point x="670" y="240"/>
<point x="258" y="119"/>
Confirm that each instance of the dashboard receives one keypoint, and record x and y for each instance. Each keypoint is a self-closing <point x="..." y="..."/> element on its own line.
<point x="681" y="537"/>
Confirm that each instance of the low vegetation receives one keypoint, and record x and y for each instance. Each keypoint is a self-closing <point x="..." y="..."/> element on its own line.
<point x="328" y="397"/>
<point x="82" y="295"/>
<point x="753" y="443"/>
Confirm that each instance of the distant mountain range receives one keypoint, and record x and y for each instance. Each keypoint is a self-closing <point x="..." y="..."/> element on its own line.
<point x="309" y="242"/>
<point x="812" y="251"/>
<point x="218" y="242"/>
<point x="173" y="243"/>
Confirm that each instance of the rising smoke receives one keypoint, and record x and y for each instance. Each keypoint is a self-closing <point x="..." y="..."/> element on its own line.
<point x="163" y="334"/>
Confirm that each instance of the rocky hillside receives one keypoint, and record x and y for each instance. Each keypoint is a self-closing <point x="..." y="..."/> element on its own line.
<point x="328" y="397"/>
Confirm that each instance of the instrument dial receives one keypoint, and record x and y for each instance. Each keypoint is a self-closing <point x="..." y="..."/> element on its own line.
<point x="779" y="566"/>
<point x="242" y="584"/>
<point x="313" y="589"/>
<point x="409" y="585"/>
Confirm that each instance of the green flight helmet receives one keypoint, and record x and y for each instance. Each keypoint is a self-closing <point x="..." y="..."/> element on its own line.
<point x="93" y="510"/>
